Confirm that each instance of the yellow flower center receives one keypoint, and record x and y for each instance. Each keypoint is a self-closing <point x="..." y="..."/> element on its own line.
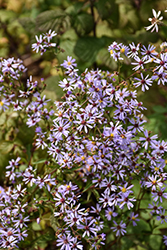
<point x="1" y="103"/>
<point x="69" y="63"/>
<point x="111" y="51"/>
<point x="123" y="190"/>
<point x="122" y="50"/>
<point x="154" y="182"/>
<point x="133" y="218"/>
<point x="110" y="213"/>
<point x="68" y="187"/>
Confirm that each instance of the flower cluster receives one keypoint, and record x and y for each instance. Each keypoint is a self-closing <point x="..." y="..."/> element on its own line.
<point x="150" y="65"/>
<point x="44" y="42"/>
<point x="89" y="153"/>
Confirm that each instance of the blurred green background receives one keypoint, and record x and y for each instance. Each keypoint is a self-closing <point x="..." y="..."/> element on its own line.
<point x="84" y="29"/>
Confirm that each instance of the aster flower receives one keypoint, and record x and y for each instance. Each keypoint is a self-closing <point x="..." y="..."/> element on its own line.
<point x="162" y="216"/>
<point x="139" y="63"/>
<point x="148" y="139"/>
<point x="155" y="21"/>
<point x="149" y="52"/>
<point x="88" y="227"/>
<point x="119" y="228"/>
<point x="126" y="200"/>
<point x="162" y="62"/>
<point x="160" y="76"/>
<point x="49" y="35"/>
<point x="159" y="194"/>
<point x="144" y="81"/>
<point x="153" y="182"/>
<point x="69" y="63"/>
<point x="75" y="245"/>
<point x="38" y="45"/>
<point x="164" y="236"/>
<point x="64" y="241"/>
<point x="155" y="208"/>
<point x="134" y="50"/>
<point x="133" y="218"/>
<point x="109" y="213"/>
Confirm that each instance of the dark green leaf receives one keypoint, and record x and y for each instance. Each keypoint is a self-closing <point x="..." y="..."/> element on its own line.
<point x="87" y="48"/>
<point x="74" y="9"/>
<point x="52" y="19"/>
<point x="49" y="195"/>
<point x="28" y="24"/>
<point x="6" y="147"/>
<point x="160" y="109"/>
<point x="83" y="24"/>
<point x="88" y="185"/>
<point x="107" y="9"/>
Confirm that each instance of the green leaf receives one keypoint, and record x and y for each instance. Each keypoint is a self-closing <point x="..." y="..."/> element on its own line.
<point x="3" y="118"/>
<point x="36" y="226"/>
<point x="54" y="222"/>
<point x="155" y="241"/>
<point x="160" y="109"/>
<point x="52" y="90"/>
<point x="87" y="48"/>
<point x="72" y="169"/>
<point x="126" y="243"/>
<point x="7" y="15"/>
<point x="6" y="147"/>
<point x="52" y="19"/>
<point x="68" y="46"/>
<point x="96" y="194"/>
<point x="107" y="9"/>
<point x="40" y="161"/>
<point x="104" y="58"/>
<point x="49" y="195"/>
<point x="27" y="23"/>
<point x="74" y="9"/>
<point x="88" y="185"/>
<point x="83" y="24"/>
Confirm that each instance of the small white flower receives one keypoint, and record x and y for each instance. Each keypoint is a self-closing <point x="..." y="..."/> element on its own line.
<point x="155" y="21"/>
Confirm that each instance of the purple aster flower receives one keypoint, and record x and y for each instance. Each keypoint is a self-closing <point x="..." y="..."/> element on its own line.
<point x="134" y="49"/>
<point x="165" y="239"/>
<point x="88" y="227"/>
<point x="65" y="242"/>
<point x="155" y="21"/>
<point x="162" y="62"/>
<point x="61" y="128"/>
<point x="126" y="200"/>
<point x="69" y="63"/>
<point x="49" y="35"/>
<point x="119" y="228"/>
<point x="38" y="45"/>
<point x="155" y="208"/>
<point x="145" y="82"/>
<point x="158" y="194"/>
<point x="148" y="140"/>
<point x="76" y="244"/>
<point x="133" y="218"/>
<point x="109" y="213"/>
<point x="162" y="216"/>
<point x="153" y="182"/>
